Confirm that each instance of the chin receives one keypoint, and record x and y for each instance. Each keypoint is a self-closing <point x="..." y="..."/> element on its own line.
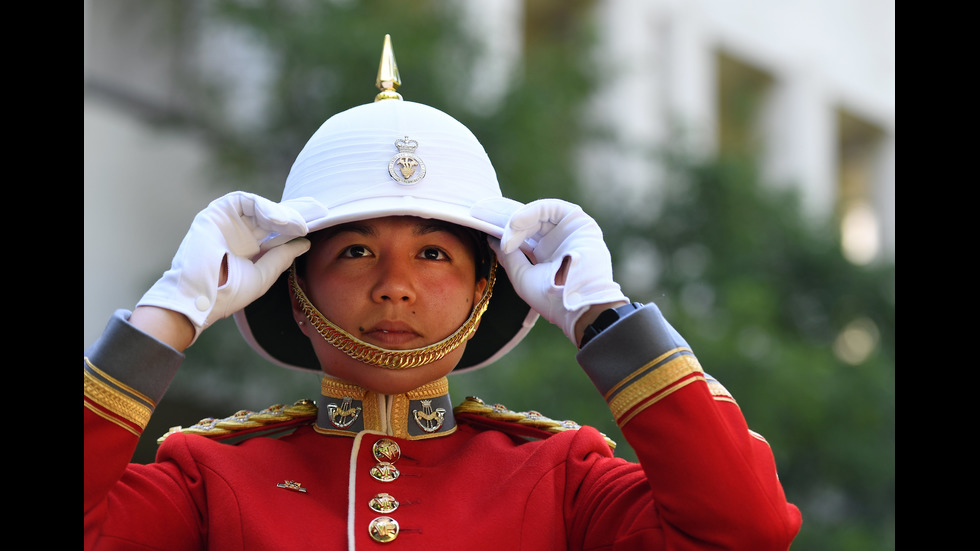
<point x="393" y="381"/>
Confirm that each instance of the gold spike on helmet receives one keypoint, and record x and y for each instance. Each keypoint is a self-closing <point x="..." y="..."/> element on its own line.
<point x="388" y="78"/>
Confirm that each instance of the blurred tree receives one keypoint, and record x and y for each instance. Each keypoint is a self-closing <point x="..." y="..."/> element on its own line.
<point x="803" y="339"/>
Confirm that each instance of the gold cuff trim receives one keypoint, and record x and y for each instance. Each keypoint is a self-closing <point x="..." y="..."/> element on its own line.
<point x="116" y="397"/>
<point x="622" y="422"/>
<point x="639" y="372"/>
<point x="652" y="383"/>
<point x="111" y="419"/>
<point x="109" y="378"/>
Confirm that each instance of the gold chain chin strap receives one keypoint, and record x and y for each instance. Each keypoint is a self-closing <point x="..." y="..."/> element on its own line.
<point x="382" y="357"/>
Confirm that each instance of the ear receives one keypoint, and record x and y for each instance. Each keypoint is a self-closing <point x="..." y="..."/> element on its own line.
<point x="478" y="290"/>
<point x="477" y="295"/>
<point x="298" y="316"/>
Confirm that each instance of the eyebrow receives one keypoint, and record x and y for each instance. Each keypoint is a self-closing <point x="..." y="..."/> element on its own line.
<point x="422" y="227"/>
<point x="425" y="227"/>
<point x="354" y="227"/>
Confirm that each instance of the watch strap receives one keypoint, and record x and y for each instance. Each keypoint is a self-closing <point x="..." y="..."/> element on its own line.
<point x="606" y="319"/>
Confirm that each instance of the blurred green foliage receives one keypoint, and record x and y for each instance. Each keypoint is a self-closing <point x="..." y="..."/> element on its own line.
<point x="769" y="312"/>
<point x="762" y="293"/>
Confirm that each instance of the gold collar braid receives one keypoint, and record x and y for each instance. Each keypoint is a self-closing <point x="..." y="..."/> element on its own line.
<point x="382" y="357"/>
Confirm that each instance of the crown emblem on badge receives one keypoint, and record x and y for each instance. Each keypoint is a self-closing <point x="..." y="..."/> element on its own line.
<point x="406" y="167"/>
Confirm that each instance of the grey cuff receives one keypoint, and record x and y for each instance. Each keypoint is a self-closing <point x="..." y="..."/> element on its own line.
<point x="628" y="346"/>
<point x="134" y="358"/>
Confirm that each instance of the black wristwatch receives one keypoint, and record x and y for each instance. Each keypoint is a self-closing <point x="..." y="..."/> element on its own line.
<point x="607" y="318"/>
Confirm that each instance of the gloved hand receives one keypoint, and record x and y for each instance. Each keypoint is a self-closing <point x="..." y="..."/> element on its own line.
<point x="233" y="227"/>
<point x="554" y="232"/>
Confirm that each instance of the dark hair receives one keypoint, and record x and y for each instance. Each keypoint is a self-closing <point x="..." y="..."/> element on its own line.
<point x="482" y="254"/>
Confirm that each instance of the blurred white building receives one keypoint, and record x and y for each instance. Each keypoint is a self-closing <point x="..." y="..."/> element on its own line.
<point x="808" y="84"/>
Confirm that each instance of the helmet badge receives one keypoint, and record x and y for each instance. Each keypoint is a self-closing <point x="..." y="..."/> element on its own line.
<point x="406" y="167"/>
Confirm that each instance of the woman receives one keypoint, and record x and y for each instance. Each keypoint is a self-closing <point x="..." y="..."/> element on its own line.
<point x="379" y="267"/>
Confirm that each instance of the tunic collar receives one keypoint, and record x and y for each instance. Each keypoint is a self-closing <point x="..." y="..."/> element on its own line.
<point x="347" y="409"/>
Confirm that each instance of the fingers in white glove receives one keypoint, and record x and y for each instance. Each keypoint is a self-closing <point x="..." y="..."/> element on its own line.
<point x="570" y="267"/>
<point x="539" y="219"/>
<point x="232" y="229"/>
<point x="248" y="280"/>
<point x="535" y="283"/>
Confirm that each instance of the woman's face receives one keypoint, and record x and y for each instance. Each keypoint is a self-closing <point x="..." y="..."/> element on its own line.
<point x="398" y="282"/>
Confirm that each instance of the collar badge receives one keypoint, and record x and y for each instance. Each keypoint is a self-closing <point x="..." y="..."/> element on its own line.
<point x="430" y="420"/>
<point x="406" y="167"/>
<point x="345" y="414"/>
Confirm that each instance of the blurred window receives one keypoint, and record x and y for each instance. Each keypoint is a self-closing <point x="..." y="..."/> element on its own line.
<point x="859" y="144"/>
<point x="741" y="97"/>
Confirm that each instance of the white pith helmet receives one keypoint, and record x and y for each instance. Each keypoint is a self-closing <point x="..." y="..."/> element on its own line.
<point x="392" y="157"/>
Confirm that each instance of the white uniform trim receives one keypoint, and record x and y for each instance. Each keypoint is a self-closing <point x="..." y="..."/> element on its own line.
<point x="351" y="485"/>
<point x="350" y="490"/>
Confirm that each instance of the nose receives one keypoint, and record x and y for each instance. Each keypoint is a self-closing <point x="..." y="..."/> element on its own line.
<point x="394" y="282"/>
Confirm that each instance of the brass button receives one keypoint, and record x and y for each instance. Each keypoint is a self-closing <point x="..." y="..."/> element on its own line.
<point x="386" y="450"/>
<point x="384" y="472"/>
<point x="383" y="529"/>
<point x="383" y="503"/>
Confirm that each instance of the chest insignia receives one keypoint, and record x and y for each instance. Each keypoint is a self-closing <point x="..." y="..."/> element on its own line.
<point x="292" y="485"/>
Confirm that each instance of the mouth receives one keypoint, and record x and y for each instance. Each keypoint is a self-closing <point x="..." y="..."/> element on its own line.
<point x="393" y="335"/>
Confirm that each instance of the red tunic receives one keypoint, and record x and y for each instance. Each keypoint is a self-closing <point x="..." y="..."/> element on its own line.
<point x="704" y="480"/>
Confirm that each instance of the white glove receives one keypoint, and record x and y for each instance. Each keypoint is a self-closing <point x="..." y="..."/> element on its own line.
<point x="553" y="230"/>
<point x="237" y="226"/>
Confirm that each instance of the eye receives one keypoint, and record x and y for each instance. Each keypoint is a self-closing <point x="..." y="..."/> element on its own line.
<point x="355" y="251"/>
<point x="433" y="253"/>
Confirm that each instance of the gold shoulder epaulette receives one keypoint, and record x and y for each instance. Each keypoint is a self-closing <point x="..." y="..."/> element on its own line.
<point x="530" y="419"/>
<point x="245" y="421"/>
